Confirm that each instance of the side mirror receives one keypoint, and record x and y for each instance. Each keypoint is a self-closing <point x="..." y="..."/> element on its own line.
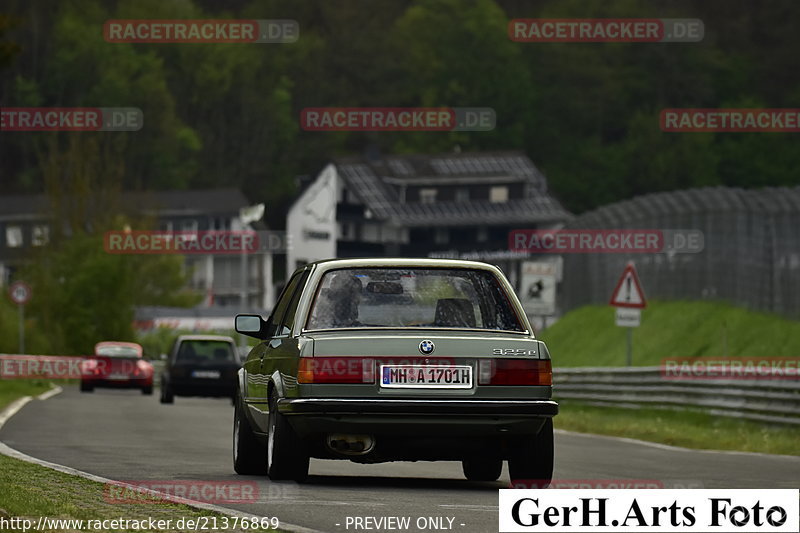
<point x="251" y="325"/>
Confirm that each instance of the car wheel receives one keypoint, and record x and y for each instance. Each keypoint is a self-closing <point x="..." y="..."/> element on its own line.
<point x="286" y="455"/>
<point x="147" y="390"/>
<point x="167" y="395"/>
<point x="249" y="455"/>
<point x="85" y="387"/>
<point x="530" y="458"/>
<point x="482" y="469"/>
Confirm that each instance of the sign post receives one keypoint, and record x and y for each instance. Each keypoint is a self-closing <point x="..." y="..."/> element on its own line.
<point x="628" y="298"/>
<point x="20" y="293"/>
<point x="247" y="215"/>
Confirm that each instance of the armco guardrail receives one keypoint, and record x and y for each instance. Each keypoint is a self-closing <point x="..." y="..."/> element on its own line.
<point x="768" y="400"/>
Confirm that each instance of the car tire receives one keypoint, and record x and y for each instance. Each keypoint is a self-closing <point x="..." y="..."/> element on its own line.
<point x="147" y="391"/>
<point x="530" y="458"/>
<point x="287" y="458"/>
<point x="249" y="454"/>
<point x="482" y="468"/>
<point x="85" y="387"/>
<point x="167" y="395"/>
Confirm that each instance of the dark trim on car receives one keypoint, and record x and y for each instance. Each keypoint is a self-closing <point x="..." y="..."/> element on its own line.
<point x="466" y="408"/>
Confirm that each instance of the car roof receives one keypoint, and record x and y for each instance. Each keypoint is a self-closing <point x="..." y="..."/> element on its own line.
<point x="103" y="344"/>
<point x="402" y="262"/>
<point x="206" y="338"/>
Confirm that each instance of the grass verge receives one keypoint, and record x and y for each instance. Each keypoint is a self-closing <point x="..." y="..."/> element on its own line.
<point x="11" y="389"/>
<point x="29" y="491"/>
<point x="588" y="337"/>
<point x="689" y="429"/>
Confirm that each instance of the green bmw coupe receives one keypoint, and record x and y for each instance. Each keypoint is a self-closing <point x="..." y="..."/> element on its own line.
<point x="377" y="360"/>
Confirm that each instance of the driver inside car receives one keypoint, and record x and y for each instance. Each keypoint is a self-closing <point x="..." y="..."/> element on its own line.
<point x="338" y="305"/>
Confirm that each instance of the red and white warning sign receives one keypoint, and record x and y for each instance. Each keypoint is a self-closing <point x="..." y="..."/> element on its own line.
<point x="628" y="292"/>
<point x="20" y="292"/>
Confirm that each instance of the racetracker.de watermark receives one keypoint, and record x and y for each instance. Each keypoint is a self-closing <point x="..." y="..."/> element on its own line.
<point x="41" y="366"/>
<point x="201" y="31"/>
<point x="71" y="119"/>
<point x="398" y="119"/>
<point x="182" y="491"/>
<point x="730" y="120"/>
<point x="587" y="30"/>
<point x="607" y="241"/>
<point x="759" y="368"/>
<point x="195" y="242"/>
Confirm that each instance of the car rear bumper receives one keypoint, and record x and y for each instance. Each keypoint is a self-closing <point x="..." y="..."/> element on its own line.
<point x="421" y="418"/>
<point x="130" y="383"/>
<point x="458" y="408"/>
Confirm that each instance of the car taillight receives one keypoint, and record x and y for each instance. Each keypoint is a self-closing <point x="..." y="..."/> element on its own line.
<point x="90" y="367"/>
<point x="336" y="370"/>
<point x="515" y="372"/>
<point x="142" y="368"/>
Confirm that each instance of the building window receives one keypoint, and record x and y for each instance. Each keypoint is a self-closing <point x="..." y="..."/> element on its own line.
<point x="371" y="233"/>
<point x="498" y="195"/>
<point x="220" y="223"/>
<point x="347" y="231"/>
<point x="189" y="230"/>
<point x="41" y="235"/>
<point x="427" y="196"/>
<point x="462" y="195"/>
<point x="189" y="225"/>
<point x="14" y="236"/>
<point x="441" y="236"/>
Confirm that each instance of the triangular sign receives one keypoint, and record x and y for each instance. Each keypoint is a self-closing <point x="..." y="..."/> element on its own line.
<point x="628" y="292"/>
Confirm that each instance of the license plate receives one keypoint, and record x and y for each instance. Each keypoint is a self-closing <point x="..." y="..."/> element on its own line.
<point x="206" y="374"/>
<point x="118" y="377"/>
<point x="426" y="377"/>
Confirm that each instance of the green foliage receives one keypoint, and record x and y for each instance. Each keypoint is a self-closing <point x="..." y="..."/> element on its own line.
<point x="85" y="295"/>
<point x="588" y="336"/>
<point x="36" y="341"/>
<point x="586" y="113"/>
<point x="158" y="341"/>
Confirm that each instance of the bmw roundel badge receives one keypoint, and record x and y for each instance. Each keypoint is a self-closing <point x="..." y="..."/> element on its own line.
<point x="426" y="347"/>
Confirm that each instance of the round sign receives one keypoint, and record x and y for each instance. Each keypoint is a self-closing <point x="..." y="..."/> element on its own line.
<point x="20" y="292"/>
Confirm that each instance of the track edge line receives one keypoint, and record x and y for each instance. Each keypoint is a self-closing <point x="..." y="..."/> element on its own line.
<point x="8" y="451"/>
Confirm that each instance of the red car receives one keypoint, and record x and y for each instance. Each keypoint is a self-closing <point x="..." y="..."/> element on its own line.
<point x="117" y="365"/>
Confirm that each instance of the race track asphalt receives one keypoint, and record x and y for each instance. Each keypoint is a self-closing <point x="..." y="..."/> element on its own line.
<point x="123" y="435"/>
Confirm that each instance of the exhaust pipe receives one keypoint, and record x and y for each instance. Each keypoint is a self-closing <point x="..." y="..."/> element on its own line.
<point x="350" y="444"/>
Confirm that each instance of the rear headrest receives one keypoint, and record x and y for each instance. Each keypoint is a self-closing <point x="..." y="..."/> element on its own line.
<point x="455" y="313"/>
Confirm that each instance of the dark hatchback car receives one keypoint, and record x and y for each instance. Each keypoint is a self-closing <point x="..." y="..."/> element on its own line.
<point x="200" y="365"/>
<point x="377" y="360"/>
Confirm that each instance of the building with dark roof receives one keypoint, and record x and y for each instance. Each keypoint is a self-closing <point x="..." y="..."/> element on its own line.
<point x="26" y="221"/>
<point x="456" y="205"/>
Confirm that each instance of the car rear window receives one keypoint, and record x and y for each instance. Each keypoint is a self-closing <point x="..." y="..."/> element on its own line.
<point x="205" y="351"/>
<point x="412" y="298"/>
<point x="117" y="351"/>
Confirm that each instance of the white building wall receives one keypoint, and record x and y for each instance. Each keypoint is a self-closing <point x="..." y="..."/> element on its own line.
<point x="311" y="222"/>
